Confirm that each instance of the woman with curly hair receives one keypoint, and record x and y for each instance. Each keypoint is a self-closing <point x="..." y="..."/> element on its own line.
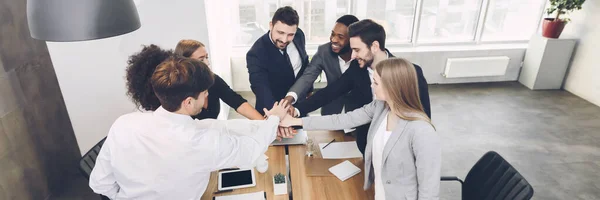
<point x="142" y="65"/>
<point x="139" y="71"/>
<point x="140" y="68"/>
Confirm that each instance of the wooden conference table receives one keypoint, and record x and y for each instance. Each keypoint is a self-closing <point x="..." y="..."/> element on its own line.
<point x="304" y="185"/>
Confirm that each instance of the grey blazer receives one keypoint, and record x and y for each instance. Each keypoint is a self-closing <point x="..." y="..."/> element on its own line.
<point x="323" y="60"/>
<point x="412" y="156"/>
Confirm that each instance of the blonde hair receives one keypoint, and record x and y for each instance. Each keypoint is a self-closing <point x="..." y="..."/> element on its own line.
<point x="399" y="81"/>
<point x="186" y="48"/>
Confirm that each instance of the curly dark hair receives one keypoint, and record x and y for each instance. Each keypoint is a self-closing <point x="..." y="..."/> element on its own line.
<point x="139" y="71"/>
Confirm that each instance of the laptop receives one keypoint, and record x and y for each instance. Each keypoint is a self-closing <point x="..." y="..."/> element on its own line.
<point x="298" y="139"/>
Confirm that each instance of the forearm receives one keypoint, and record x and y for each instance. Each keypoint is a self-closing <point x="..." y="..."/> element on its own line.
<point x="333" y="122"/>
<point x="264" y="95"/>
<point x="266" y="132"/>
<point x="241" y="150"/>
<point x="249" y="112"/>
<point x="352" y="119"/>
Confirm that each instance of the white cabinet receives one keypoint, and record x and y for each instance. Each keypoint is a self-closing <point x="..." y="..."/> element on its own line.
<point x="546" y="62"/>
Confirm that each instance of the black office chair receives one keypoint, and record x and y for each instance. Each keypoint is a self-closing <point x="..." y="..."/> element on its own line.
<point x="88" y="161"/>
<point x="493" y="178"/>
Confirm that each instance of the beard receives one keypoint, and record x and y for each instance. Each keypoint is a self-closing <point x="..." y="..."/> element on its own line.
<point x="279" y="42"/>
<point x="369" y="59"/>
<point x="345" y="49"/>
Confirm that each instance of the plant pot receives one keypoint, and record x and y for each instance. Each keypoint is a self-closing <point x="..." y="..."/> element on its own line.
<point x="551" y="28"/>
<point x="280" y="188"/>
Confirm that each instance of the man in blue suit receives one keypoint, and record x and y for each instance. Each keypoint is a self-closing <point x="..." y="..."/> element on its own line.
<point x="277" y="59"/>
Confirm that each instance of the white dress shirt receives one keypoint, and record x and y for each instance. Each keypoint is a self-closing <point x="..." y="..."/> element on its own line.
<point x="343" y="67"/>
<point x="379" y="140"/>
<point x="293" y="54"/>
<point x="343" y="64"/>
<point x="164" y="155"/>
<point x="371" y="72"/>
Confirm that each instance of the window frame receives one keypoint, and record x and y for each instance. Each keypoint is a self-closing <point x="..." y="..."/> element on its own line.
<point x="414" y="39"/>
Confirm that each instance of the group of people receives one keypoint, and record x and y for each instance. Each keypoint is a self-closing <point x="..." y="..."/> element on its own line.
<point x="169" y="150"/>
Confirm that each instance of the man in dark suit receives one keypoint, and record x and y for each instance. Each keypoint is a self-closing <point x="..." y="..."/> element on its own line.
<point x="367" y="38"/>
<point x="277" y="59"/>
<point x="334" y="58"/>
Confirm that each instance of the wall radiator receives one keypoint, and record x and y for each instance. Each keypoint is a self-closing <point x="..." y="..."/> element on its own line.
<point x="476" y="67"/>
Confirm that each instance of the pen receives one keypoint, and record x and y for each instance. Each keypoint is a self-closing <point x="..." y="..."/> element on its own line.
<point x="328" y="143"/>
<point x="223" y="191"/>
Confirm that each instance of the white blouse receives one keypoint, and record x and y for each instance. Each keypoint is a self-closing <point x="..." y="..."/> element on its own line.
<point x="379" y="140"/>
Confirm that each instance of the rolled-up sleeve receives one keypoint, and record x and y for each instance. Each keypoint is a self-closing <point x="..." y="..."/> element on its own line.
<point x="236" y="150"/>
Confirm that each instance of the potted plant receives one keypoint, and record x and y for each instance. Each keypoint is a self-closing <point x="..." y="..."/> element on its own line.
<point x="279" y="184"/>
<point x="553" y="26"/>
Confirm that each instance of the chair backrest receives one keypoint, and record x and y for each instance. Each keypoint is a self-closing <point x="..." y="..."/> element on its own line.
<point x="492" y="177"/>
<point x="87" y="162"/>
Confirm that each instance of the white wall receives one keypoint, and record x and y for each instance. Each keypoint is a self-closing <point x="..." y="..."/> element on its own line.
<point x="582" y="79"/>
<point x="431" y="59"/>
<point x="91" y="73"/>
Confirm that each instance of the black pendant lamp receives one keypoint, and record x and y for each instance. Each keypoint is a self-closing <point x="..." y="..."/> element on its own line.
<point x="79" y="20"/>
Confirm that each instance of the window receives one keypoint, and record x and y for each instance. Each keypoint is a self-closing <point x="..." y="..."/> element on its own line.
<point x="439" y="21"/>
<point x="395" y="16"/>
<point x="254" y="17"/>
<point x="449" y="21"/>
<point x="512" y="19"/>
<point x="317" y="17"/>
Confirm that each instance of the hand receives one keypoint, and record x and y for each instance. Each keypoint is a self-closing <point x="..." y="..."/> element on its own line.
<point x="279" y="109"/>
<point x="286" y="132"/>
<point x="289" y="121"/>
<point x="289" y="99"/>
<point x="292" y="111"/>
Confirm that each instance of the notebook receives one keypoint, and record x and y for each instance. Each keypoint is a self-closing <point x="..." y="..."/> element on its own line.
<point x="340" y="150"/>
<point x="344" y="170"/>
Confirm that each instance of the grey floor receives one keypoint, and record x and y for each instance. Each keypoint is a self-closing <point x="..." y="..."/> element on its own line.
<point x="551" y="137"/>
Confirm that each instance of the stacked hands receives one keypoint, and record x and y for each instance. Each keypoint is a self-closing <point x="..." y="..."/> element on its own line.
<point x="285" y="111"/>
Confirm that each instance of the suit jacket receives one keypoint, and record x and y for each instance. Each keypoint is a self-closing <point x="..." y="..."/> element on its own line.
<point x="412" y="156"/>
<point x="356" y="80"/>
<point x="271" y="75"/>
<point x="324" y="60"/>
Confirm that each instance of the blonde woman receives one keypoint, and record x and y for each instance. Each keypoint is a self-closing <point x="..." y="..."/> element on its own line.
<point x="403" y="154"/>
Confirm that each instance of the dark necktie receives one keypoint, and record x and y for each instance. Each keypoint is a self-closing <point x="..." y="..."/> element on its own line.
<point x="287" y="58"/>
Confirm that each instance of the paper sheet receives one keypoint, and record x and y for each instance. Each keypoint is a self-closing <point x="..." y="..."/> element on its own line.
<point x="340" y="150"/>
<point x="248" y="196"/>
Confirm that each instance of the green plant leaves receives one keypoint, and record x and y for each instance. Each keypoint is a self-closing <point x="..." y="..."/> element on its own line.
<point x="563" y="7"/>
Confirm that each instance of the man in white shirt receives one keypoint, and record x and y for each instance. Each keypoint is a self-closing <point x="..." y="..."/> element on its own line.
<point x="166" y="154"/>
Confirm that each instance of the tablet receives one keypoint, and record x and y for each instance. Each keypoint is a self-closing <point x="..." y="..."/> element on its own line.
<point x="234" y="179"/>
